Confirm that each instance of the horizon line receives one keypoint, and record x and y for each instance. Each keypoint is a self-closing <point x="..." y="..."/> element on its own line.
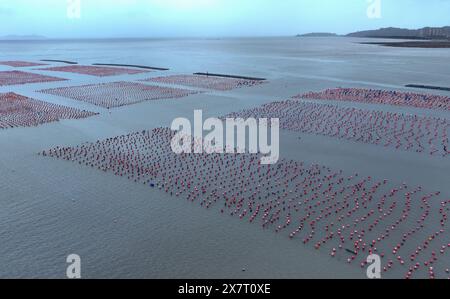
<point x="38" y="37"/>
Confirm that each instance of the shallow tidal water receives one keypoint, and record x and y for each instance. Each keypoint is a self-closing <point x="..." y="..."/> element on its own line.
<point x="51" y="208"/>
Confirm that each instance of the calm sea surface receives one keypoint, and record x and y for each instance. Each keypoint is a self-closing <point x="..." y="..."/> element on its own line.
<point x="50" y="209"/>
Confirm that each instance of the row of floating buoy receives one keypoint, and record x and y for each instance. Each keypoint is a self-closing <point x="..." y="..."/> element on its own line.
<point x="99" y="71"/>
<point x="352" y="215"/>
<point x="385" y="97"/>
<point x="19" y="78"/>
<point x="118" y="94"/>
<point x="206" y="82"/>
<point x="20" y="111"/>
<point x="18" y="63"/>
<point x="421" y="134"/>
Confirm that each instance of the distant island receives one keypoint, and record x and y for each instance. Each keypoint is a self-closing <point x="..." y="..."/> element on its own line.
<point x="428" y="37"/>
<point x="318" y="34"/>
<point x="427" y="33"/>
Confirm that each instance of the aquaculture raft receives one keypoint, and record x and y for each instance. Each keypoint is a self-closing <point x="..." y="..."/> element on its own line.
<point x="20" y="63"/>
<point x="20" y="111"/>
<point x="426" y="135"/>
<point x="18" y="77"/>
<point x="347" y="216"/>
<point x="117" y="94"/>
<point x="206" y="82"/>
<point x="98" y="71"/>
<point x="386" y="97"/>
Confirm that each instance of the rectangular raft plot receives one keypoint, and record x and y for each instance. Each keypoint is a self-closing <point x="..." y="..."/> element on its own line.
<point x="99" y="71"/>
<point x="215" y="83"/>
<point x="426" y="135"/>
<point x="314" y="205"/>
<point x="20" y="111"/>
<point x="385" y="97"/>
<point x="118" y="94"/>
<point x="19" y="63"/>
<point x="18" y="78"/>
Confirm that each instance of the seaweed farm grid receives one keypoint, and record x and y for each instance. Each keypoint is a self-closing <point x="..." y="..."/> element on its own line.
<point x="200" y="81"/>
<point x="18" y="63"/>
<point x="18" y="78"/>
<point x="425" y="135"/>
<point x="345" y="215"/>
<point x="20" y="111"/>
<point x="371" y="96"/>
<point x="99" y="71"/>
<point x="118" y="94"/>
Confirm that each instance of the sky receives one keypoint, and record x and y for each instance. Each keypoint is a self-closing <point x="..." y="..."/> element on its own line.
<point x="212" y="18"/>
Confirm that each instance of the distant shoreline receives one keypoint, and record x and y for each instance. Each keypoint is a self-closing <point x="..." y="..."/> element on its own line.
<point x="318" y="34"/>
<point x="413" y="44"/>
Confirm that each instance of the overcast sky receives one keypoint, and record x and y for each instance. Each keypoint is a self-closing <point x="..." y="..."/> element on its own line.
<point x="211" y="18"/>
